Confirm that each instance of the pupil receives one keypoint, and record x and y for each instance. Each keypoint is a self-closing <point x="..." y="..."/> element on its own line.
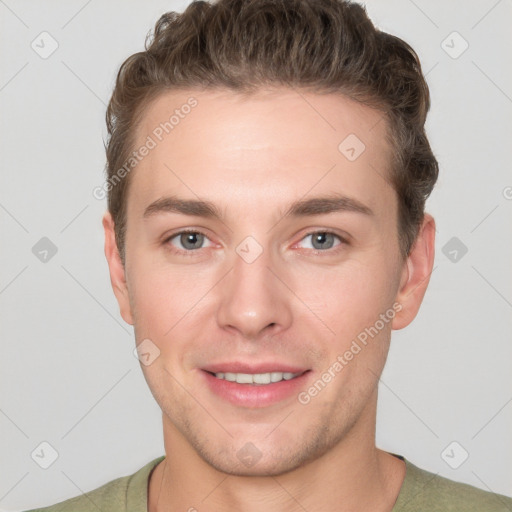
<point x="321" y="238"/>
<point x="191" y="238"/>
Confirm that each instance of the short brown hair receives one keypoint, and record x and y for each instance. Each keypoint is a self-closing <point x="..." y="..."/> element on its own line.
<point x="324" y="46"/>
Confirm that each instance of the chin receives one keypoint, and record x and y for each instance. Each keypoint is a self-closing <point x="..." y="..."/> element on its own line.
<point x="264" y="467"/>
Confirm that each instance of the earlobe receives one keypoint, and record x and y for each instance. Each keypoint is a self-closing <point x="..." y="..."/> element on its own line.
<point x="116" y="269"/>
<point x="416" y="274"/>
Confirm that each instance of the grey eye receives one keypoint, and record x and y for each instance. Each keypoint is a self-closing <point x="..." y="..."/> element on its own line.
<point x="188" y="240"/>
<point x="322" y="240"/>
<point x="191" y="240"/>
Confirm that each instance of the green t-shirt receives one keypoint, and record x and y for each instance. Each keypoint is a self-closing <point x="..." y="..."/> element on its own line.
<point x="421" y="491"/>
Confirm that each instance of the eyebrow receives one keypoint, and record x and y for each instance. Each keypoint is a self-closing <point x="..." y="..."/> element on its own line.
<point x="302" y="208"/>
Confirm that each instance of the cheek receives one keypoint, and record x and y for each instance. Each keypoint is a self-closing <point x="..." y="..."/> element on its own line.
<point x="165" y="297"/>
<point x="348" y="297"/>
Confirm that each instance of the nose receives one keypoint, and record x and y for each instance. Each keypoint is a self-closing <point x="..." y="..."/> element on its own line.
<point x="254" y="301"/>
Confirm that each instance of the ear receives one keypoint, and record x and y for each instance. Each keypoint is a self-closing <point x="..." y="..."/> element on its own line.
<point x="116" y="269"/>
<point x="416" y="274"/>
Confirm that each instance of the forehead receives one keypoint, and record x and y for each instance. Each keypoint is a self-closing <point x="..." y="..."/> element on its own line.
<point x="279" y="141"/>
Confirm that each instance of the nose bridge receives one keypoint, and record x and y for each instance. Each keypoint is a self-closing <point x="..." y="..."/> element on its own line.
<point x="253" y="298"/>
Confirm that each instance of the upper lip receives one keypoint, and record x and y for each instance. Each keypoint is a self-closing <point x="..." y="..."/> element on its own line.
<point x="241" y="367"/>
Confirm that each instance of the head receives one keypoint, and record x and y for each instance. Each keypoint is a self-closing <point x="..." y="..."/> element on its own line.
<point x="289" y="138"/>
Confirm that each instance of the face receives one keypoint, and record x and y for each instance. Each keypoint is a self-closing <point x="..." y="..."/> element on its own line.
<point x="290" y="268"/>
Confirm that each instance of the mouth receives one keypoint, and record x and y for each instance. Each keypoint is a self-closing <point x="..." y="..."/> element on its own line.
<point x="255" y="389"/>
<point x="256" y="379"/>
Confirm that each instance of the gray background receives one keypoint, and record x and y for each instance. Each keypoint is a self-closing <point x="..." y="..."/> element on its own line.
<point x="68" y="374"/>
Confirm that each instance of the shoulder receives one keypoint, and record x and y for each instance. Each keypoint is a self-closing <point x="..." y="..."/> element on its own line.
<point x="110" y="496"/>
<point x="124" y="493"/>
<point x="429" y="492"/>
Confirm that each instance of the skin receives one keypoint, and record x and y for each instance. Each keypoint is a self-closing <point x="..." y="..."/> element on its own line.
<point x="253" y="156"/>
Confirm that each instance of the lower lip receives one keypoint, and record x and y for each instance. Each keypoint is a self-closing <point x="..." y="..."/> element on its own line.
<point x="251" y="395"/>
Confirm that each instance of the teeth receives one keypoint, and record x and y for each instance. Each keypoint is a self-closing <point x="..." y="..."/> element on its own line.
<point x="256" y="378"/>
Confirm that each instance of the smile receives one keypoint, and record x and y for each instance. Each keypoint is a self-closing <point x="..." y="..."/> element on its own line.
<point x="256" y="378"/>
<point x="255" y="390"/>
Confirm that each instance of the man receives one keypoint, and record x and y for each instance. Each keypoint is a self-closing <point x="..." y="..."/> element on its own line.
<point x="267" y="174"/>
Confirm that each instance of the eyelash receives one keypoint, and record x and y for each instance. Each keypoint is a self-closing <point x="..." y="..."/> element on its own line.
<point x="193" y="252"/>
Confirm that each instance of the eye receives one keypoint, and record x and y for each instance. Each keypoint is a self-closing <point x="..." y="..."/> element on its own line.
<point x="323" y="240"/>
<point x="189" y="240"/>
